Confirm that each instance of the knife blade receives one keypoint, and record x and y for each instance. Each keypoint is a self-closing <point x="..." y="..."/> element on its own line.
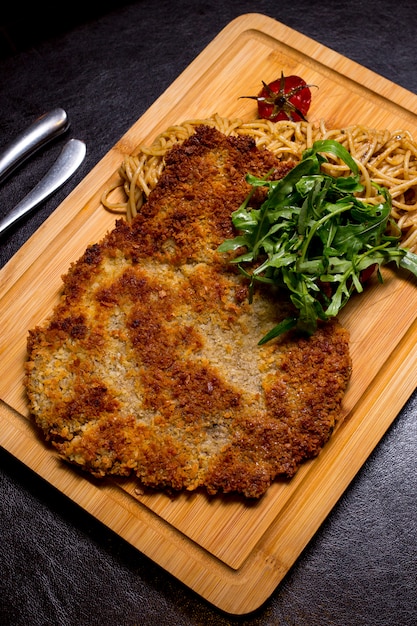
<point x="69" y="160"/>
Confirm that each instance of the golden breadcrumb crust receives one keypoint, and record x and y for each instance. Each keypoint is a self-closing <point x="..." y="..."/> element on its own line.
<point x="150" y="366"/>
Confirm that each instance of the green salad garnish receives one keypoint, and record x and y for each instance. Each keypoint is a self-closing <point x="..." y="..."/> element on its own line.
<point x="314" y="238"/>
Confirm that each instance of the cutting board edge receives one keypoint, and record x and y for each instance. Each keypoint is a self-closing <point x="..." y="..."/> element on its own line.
<point x="268" y="559"/>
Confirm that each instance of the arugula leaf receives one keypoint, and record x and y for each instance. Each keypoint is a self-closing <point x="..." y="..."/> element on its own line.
<point x="313" y="230"/>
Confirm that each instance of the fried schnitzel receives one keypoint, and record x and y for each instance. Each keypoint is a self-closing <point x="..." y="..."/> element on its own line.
<point x="149" y="365"/>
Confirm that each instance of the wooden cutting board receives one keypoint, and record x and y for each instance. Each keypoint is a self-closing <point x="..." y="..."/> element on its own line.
<point x="232" y="553"/>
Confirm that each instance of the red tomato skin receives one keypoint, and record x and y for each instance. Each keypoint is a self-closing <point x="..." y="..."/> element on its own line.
<point x="366" y="274"/>
<point x="301" y="99"/>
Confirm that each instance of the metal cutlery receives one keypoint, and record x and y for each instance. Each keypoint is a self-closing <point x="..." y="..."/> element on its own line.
<point x="45" y="128"/>
<point x="68" y="161"/>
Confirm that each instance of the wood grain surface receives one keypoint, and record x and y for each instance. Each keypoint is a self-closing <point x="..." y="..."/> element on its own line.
<point x="231" y="552"/>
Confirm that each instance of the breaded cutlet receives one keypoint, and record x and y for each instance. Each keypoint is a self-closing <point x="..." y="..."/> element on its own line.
<point x="149" y="364"/>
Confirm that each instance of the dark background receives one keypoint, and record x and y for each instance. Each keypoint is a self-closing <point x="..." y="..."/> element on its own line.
<point x="105" y="66"/>
<point x="25" y="25"/>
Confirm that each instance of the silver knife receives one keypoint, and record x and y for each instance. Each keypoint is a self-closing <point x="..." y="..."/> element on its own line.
<point x="67" y="163"/>
<point x="44" y="129"/>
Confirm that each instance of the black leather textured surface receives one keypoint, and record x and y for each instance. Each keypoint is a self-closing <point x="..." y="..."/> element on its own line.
<point x="60" y="567"/>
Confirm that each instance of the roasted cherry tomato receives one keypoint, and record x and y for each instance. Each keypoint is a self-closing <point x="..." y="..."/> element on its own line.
<point x="287" y="98"/>
<point x="364" y="276"/>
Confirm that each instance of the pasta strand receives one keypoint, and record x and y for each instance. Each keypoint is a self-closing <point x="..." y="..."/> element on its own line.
<point x="383" y="157"/>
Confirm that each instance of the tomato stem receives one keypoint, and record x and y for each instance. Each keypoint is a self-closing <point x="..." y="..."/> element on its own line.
<point x="286" y="98"/>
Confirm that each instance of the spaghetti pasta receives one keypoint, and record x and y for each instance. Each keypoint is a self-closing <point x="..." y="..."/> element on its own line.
<point x="388" y="158"/>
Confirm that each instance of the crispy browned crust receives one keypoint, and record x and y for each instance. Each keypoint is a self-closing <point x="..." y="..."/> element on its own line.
<point x="150" y="365"/>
